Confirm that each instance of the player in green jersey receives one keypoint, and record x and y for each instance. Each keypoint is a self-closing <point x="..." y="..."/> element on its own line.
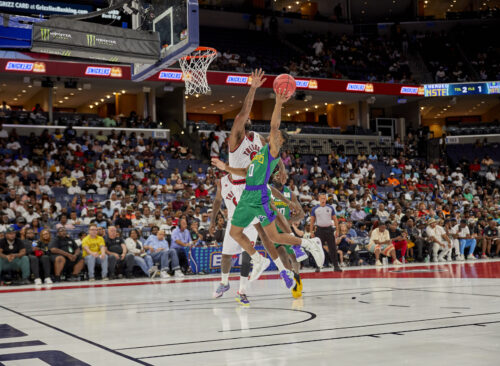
<point x="255" y="202"/>
<point x="287" y="204"/>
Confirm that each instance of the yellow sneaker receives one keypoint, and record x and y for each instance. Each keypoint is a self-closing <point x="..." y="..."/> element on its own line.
<point x="297" y="288"/>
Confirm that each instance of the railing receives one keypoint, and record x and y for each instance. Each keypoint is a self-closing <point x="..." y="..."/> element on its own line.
<point x="324" y="144"/>
<point x="26" y="130"/>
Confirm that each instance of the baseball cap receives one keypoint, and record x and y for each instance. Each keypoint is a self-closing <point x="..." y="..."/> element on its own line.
<point x="10" y="229"/>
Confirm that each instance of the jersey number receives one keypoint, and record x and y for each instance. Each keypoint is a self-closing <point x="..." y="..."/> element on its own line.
<point x="250" y="170"/>
<point x="282" y="210"/>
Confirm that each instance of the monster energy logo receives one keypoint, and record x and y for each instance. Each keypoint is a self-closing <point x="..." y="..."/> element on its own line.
<point x="45" y="34"/>
<point x="90" y="40"/>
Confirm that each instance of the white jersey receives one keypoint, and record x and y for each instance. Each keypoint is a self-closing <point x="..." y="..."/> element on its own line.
<point x="242" y="155"/>
<point x="231" y="191"/>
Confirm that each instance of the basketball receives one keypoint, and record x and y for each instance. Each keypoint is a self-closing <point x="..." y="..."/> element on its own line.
<point x="286" y="83"/>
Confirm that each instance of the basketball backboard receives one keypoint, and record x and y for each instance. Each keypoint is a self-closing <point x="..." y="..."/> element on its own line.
<point x="177" y="22"/>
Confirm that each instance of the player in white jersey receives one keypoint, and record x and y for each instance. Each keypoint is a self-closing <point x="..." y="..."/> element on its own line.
<point x="243" y="146"/>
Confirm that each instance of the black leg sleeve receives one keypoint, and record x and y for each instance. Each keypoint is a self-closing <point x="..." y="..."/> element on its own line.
<point x="245" y="264"/>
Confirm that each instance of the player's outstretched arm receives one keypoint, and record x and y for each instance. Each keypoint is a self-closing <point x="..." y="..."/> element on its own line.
<point x="298" y="211"/>
<point x="238" y="129"/>
<point x="275" y="134"/>
<point x="217" y="204"/>
<point x="226" y="168"/>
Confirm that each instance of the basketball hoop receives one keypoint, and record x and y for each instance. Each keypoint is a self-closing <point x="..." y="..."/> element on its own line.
<point x="194" y="69"/>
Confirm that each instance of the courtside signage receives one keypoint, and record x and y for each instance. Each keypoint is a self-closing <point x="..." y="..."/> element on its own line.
<point x="25" y="66"/>
<point x="306" y="84"/>
<point x="360" y="87"/>
<point x="237" y="79"/>
<point x="170" y="75"/>
<point x="412" y="90"/>
<point x="114" y="72"/>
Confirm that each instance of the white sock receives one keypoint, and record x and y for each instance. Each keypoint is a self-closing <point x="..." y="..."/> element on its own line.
<point x="243" y="284"/>
<point x="224" y="279"/>
<point x="255" y="256"/>
<point x="279" y="264"/>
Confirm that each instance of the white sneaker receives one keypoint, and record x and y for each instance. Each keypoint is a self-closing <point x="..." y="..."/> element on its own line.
<point x="316" y="249"/>
<point x="449" y="258"/>
<point x="48" y="281"/>
<point x="397" y="263"/>
<point x="164" y="274"/>
<point x="179" y="273"/>
<point x="259" y="267"/>
<point x="441" y="259"/>
<point x="471" y="256"/>
<point x="378" y="263"/>
<point x="38" y="281"/>
<point x="434" y="260"/>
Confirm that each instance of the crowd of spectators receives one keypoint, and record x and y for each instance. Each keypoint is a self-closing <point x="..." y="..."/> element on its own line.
<point x="355" y="57"/>
<point x="37" y="116"/>
<point x="114" y="205"/>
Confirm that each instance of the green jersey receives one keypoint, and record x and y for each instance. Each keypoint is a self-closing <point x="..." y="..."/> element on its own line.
<point x="254" y="202"/>
<point x="281" y="206"/>
<point x="261" y="167"/>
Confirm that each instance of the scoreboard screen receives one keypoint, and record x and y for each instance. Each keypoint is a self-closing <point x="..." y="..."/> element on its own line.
<point x="444" y="90"/>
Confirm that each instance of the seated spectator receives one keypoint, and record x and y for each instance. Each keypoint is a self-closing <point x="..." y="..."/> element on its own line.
<point x="122" y="221"/>
<point x="189" y="175"/>
<point x="416" y="237"/>
<point x="161" y="253"/>
<point x="490" y="238"/>
<point x="65" y="223"/>
<point x="441" y="243"/>
<point x="398" y="239"/>
<point x="392" y="180"/>
<point x="117" y="255"/>
<point x="381" y="243"/>
<point x="141" y="258"/>
<point x="94" y="251"/>
<point x="181" y="238"/>
<point x="39" y="255"/>
<point x="13" y="256"/>
<point x="66" y="256"/>
<point x="347" y="247"/>
<point x="465" y="240"/>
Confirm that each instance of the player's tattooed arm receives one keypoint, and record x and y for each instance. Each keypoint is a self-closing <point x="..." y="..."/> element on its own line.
<point x="238" y="129"/>
<point x="297" y="211"/>
<point x="226" y="168"/>
<point x="216" y="205"/>
<point x="275" y="141"/>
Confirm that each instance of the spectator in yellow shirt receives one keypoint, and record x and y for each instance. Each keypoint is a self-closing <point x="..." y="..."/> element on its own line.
<point x="94" y="251"/>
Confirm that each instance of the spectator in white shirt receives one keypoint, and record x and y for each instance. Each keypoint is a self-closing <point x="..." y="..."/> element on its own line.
<point x="74" y="189"/>
<point x="441" y="243"/>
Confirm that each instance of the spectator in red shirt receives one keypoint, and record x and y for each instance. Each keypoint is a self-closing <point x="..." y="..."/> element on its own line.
<point x="201" y="191"/>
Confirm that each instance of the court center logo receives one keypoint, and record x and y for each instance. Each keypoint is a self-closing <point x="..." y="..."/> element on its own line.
<point x="91" y="40"/>
<point x="45" y="34"/>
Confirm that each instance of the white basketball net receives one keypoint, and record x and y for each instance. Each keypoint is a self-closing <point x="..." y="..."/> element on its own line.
<point x="194" y="70"/>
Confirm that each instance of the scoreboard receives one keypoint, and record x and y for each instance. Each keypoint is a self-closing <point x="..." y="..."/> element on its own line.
<point x="444" y="90"/>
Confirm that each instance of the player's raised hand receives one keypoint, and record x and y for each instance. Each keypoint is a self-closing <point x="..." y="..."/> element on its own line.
<point x="257" y="78"/>
<point x="281" y="97"/>
<point x="219" y="164"/>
